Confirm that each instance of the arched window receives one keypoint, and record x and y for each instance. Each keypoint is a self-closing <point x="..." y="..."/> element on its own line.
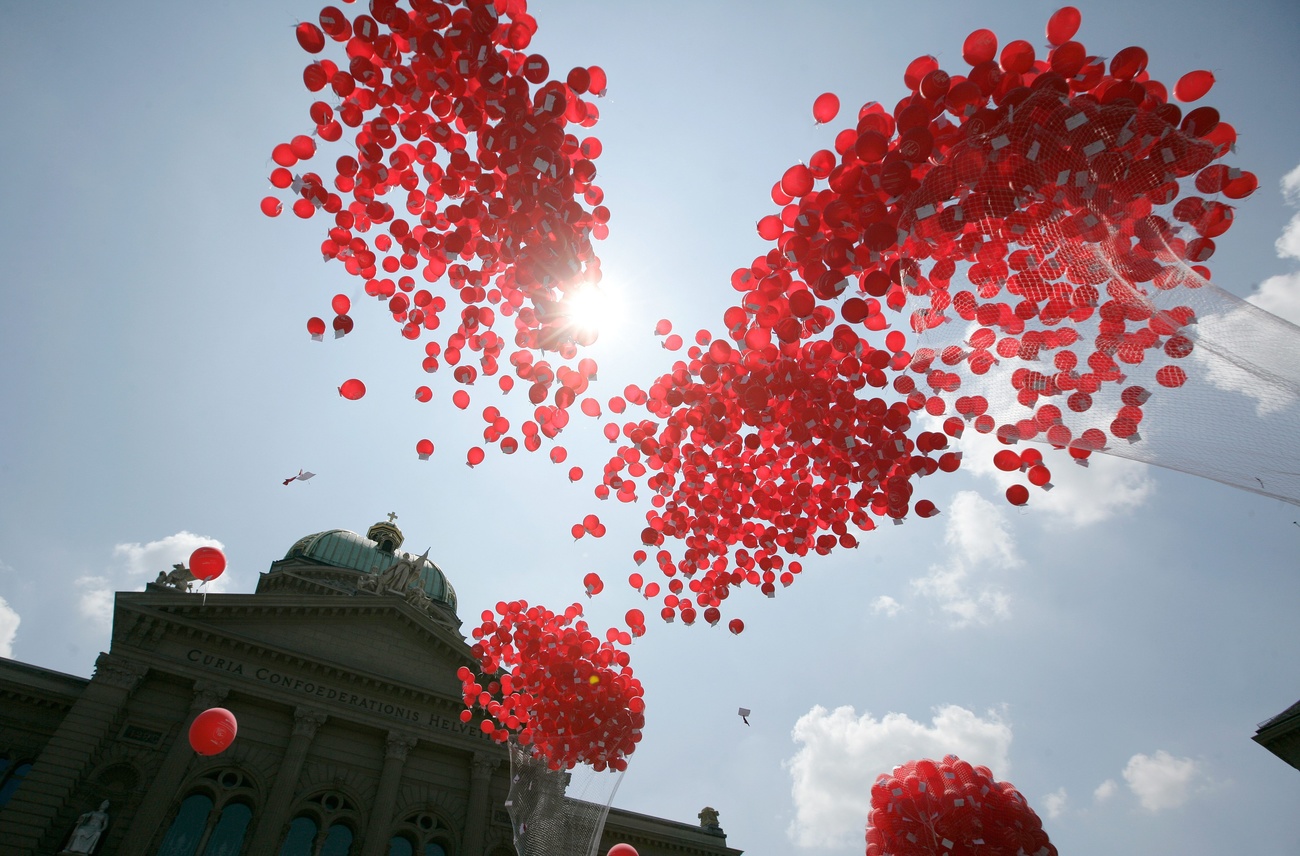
<point x="325" y="826"/>
<point x="228" y="835"/>
<point x="421" y="834"/>
<point x="10" y="779"/>
<point x="186" y="831"/>
<point x="213" y="820"/>
<point x="338" y="841"/>
<point x="301" y="837"/>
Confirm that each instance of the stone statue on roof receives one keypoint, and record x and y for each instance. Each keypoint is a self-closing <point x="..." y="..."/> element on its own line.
<point x="399" y="576"/>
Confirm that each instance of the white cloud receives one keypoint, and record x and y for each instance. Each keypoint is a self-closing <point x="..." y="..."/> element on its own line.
<point x="1279" y="295"/>
<point x="1288" y="244"/>
<point x="141" y="563"/>
<point x="95" y="600"/>
<point x="886" y="605"/>
<point x="134" y="565"/>
<point x="146" y="560"/>
<point x="1105" y="790"/>
<point x="1267" y="344"/>
<point x="1054" y="803"/>
<point x="1161" y="781"/>
<point x="9" y="621"/>
<point x="978" y="540"/>
<point x="1291" y="186"/>
<point x="842" y="754"/>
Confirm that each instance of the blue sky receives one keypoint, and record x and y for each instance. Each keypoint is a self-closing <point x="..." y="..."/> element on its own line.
<point x="1109" y="649"/>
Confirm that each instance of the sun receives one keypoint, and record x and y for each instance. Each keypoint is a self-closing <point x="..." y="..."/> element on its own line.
<point x="591" y="310"/>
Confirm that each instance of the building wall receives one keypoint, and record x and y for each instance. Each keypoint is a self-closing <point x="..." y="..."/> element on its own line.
<point x="346" y="714"/>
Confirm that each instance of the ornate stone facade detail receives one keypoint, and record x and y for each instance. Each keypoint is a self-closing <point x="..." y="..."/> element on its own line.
<point x="117" y="672"/>
<point x="179" y="578"/>
<point x="208" y="694"/>
<point x="400" y="743"/>
<point x="306" y="720"/>
<point x="482" y="766"/>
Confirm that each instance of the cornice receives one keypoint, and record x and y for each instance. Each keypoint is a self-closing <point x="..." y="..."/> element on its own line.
<point x="180" y="620"/>
<point x="175" y="604"/>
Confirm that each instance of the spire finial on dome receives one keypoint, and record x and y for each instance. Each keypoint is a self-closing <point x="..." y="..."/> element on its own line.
<point x="386" y="535"/>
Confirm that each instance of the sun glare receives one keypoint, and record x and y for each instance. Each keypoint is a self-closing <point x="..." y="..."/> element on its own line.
<point x="593" y="308"/>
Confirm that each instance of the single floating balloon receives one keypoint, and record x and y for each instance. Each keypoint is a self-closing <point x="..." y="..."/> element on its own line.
<point x="352" y="389"/>
<point x="826" y="107"/>
<point x="212" y="731"/>
<point x="207" y="563"/>
<point x="424" y="448"/>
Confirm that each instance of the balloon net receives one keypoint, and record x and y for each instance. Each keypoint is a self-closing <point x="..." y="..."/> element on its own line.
<point x="1086" y="319"/>
<point x="557" y="812"/>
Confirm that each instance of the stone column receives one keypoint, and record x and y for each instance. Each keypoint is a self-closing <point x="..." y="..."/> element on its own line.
<point x="25" y="822"/>
<point x="480" y="777"/>
<point x="271" y="820"/>
<point x="381" y="813"/>
<point x="171" y="774"/>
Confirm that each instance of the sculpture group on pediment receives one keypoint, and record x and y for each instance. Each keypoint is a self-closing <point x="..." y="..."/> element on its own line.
<point x="178" y="578"/>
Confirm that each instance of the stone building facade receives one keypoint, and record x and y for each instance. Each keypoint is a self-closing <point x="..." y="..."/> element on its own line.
<point x="341" y="672"/>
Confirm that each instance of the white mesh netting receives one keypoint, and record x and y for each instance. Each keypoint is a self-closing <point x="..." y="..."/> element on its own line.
<point x="557" y="812"/>
<point x="1088" y="320"/>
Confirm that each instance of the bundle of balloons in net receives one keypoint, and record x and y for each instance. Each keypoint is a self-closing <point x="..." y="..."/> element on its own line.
<point x="549" y="683"/>
<point x="949" y="808"/>
<point x="1041" y="226"/>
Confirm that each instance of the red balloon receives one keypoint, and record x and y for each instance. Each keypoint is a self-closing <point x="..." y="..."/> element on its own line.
<point x="826" y="107"/>
<point x="797" y="181"/>
<point x="424" y="449"/>
<point x="622" y="850"/>
<point x="271" y="206"/>
<point x="207" y="563"/>
<point x="316" y="327"/>
<point x="1193" y="85"/>
<point x="593" y="583"/>
<point x="980" y="47"/>
<point x="310" y="37"/>
<point x="1017" y="494"/>
<point x="423" y="394"/>
<point x="460" y="398"/>
<point x="212" y="731"/>
<point x="736" y="626"/>
<point x="1063" y="24"/>
<point x="474" y="456"/>
<point x="341" y="304"/>
<point x="352" y="389"/>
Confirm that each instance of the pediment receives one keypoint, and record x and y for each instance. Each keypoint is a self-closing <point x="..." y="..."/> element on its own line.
<point x="379" y="636"/>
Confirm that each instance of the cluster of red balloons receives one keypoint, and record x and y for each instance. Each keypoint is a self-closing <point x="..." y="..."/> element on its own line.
<point x="212" y="731"/>
<point x="949" y="808"/>
<point x="1049" y="190"/>
<point x="465" y="169"/>
<point x="547" y="680"/>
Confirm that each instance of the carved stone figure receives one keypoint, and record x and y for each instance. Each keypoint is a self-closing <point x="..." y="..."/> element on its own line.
<point x="401" y="575"/>
<point x="709" y="818"/>
<point x="178" y="578"/>
<point x="90" y="826"/>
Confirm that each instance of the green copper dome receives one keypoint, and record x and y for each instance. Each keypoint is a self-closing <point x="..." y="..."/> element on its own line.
<point x="340" y="548"/>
